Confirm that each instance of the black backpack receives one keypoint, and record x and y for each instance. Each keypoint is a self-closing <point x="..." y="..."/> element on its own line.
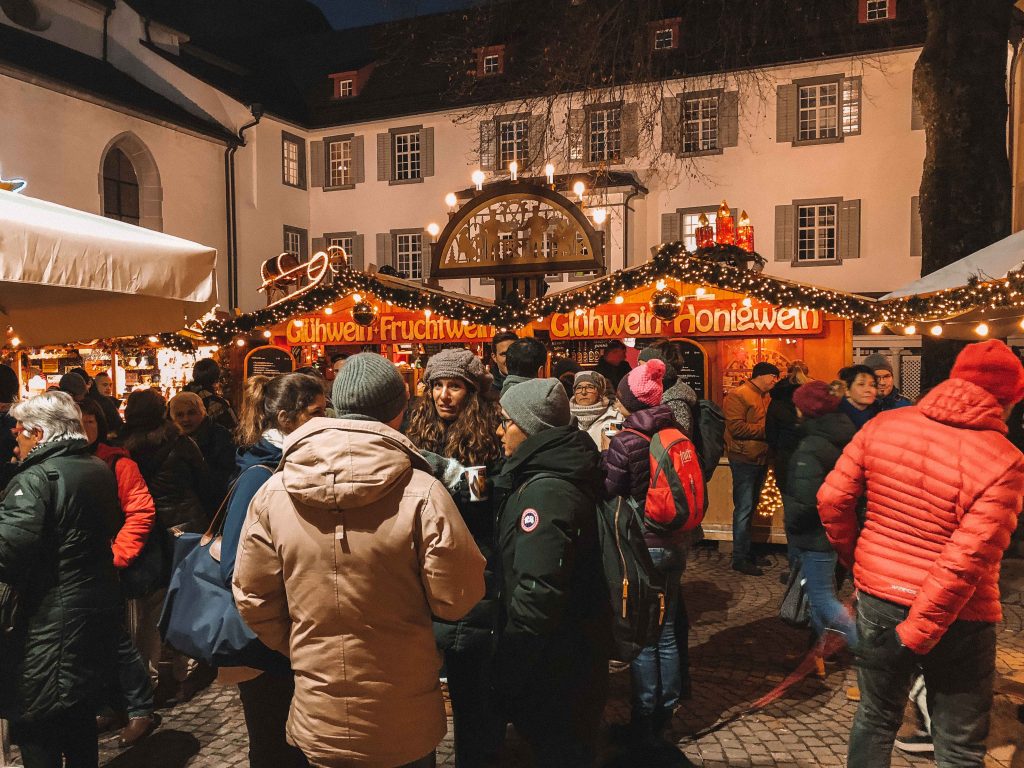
<point x="709" y="435"/>
<point x="636" y="588"/>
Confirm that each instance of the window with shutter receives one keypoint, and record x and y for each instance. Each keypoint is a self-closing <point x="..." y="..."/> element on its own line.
<point x="293" y="160"/>
<point x="700" y="125"/>
<point x="339" y="162"/>
<point x="823" y="231"/>
<point x="296" y="241"/>
<point x="408" y="245"/>
<point x="604" y="133"/>
<point x="407" y="154"/>
<point x="351" y="242"/>
<point x="827" y="109"/>
<point x="876" y="10"/>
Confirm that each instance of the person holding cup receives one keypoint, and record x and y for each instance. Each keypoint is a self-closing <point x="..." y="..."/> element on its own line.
<point x="455" y="427"/>
<point x="594" y="413"/>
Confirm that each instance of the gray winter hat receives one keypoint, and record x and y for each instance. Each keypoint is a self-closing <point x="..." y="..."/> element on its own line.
<point x="370" y="386"/>
<point x="537" y="404"/>
<point x="878" y="363"/>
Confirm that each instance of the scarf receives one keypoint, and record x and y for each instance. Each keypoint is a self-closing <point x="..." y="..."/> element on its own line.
<point x="588" y="414"/>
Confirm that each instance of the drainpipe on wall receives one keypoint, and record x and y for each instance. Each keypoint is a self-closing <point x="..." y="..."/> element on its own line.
<point x="106" y="31"/>
<point x="626" y="210"/>
<point x="230" y="204"/>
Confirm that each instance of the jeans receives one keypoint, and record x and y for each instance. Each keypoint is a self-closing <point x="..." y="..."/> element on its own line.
<point x="134" y="691"/>
<point x="265" y="703"/>
<point x="958" y="675"/>
<point x="747" y="480"/>
<point x="71" y="735"/>
<point x="827" y="612"/>
<point x="656" y="672"/>
<point x="479" y="727"/>
<point x="143" y="616"/>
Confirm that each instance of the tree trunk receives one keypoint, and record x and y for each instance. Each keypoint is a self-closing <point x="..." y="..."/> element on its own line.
<point x="966" y="185"/>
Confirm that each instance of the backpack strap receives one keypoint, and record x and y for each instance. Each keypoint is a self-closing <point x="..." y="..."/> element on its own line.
<point x="637" y="432"/>
<point x="216" y="527"/>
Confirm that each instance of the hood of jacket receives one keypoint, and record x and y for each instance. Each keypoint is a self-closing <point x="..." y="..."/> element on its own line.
<point x="783" y="390"/>
<point x="961" y="403"/>
<point x="264" y="452"/>
<point x="565" y="452"/>
<point x="835" y="427"/>
<point x="651" y="420"/>
<point x="338" y="463"/>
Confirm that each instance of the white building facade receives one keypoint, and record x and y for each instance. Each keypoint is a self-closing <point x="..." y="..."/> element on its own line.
<point x="824" y="155"/>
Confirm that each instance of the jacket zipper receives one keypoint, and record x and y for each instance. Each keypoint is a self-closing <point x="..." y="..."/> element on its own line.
<point x="622" y="558"/>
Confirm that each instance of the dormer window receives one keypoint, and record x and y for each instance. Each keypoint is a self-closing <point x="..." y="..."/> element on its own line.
<point x="490" y="60"/>
<point x="665" y="35"/>
<point x="876" y="10"/>
<point x="348" y="84"/>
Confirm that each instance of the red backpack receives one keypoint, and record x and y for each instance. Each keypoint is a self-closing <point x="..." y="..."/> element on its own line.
<point x="676" y="497"/>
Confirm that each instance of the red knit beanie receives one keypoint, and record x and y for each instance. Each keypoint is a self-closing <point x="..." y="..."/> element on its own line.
<point x="814" y="399"/>
<point x="994" y="367"/>
<point x="642" y="387"/>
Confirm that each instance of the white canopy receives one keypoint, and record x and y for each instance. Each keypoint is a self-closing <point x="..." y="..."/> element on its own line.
<point x="990" y="263"/>
<point x="67" y="275"/>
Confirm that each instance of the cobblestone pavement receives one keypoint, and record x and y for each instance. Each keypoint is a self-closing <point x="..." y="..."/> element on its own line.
<point x="739" y="652"/>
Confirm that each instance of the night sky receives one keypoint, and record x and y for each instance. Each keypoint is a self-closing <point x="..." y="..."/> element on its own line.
<point x="358" y="13"/>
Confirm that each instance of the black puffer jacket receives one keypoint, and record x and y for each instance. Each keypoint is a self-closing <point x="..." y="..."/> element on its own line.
<point x="782" y="428"/>
<point x="820" y="446"/>
<point x="477" y="628"/>
<point x="57" y="519"/>
<point x="178" y="478"/>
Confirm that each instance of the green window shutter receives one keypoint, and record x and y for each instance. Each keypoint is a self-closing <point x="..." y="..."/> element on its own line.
<point x="384" y="253"/>
<point x="358" y="160"/>
<point x="488" y="145"/>
<point x="785" y="232"/>
<point x="630" y="130"/>
<point x="729" y="119"/>
<point x="577" y="139"/>
<point x="316" y="164"/>
<point x="671" y="133"/>
<point x="670" y="227"/>
<point x="785" y="113"/>
<point x="849" y="229"/>
<point x="383" y="157"/>
<point x="536" y="141"/>
<point x="427" y="152"/>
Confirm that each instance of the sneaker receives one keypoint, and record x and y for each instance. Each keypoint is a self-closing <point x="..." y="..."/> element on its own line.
<point x="917" y="743"/>
<point x="748" y="568"/>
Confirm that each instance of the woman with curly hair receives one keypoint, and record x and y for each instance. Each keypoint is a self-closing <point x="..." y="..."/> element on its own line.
<point x="455" y="425"/>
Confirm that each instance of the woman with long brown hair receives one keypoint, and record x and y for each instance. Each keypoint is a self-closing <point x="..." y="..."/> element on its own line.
<point x="457" y="422"/>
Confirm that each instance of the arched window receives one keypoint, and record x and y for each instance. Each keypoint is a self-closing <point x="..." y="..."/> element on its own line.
<point x="120" y="188"/>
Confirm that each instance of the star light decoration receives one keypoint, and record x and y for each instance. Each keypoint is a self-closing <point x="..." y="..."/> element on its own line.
<point x="706" y="266"/>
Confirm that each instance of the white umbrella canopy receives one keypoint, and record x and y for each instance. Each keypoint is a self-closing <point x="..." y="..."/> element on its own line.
<point x="67" y="275"/>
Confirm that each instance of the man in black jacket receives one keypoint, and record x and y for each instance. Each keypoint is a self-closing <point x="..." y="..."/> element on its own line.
<point x="553" y="642"/>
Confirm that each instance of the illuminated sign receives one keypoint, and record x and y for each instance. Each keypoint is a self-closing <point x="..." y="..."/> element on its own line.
<point x="390" y="328"/>
<point x="696" y="318"/>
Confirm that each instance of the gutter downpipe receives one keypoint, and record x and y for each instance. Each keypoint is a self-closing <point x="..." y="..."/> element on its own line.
<point x="231" y="206"/>
<point x="106" y="31"/>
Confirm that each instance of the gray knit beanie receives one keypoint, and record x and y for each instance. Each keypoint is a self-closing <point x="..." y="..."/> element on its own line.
<point x="369" y="385"/>
<point x="878" y="363"/>
<point x="457" y="363"/>
<point x="537" y="404"/>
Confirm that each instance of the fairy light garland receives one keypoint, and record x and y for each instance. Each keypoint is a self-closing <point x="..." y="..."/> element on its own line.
<point x="704" y="267"/>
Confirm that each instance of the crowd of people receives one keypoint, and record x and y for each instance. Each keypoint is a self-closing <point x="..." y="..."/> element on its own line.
<point x="379" y="542"/>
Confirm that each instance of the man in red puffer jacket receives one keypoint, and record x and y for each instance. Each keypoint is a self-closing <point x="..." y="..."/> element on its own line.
<point x="943" y="487"/>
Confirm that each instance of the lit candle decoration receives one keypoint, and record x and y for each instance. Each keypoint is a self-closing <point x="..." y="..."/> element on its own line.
<point x="745" y="233"/>
<point x="478" y="179"/>
<point x="599" y="215"/>
<point x="705" y="233"/>
<point x="549" y="171"/>
<point x="513" y="170"/>
<point x="433" y="230"/>
<point x="451" y="201"/>
<point x="578" y="189"/>
<point x="725" y="227"/>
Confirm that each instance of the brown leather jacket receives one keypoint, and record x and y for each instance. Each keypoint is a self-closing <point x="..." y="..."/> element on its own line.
<point x="745" y="410"/>
<point x="345" y="554"/>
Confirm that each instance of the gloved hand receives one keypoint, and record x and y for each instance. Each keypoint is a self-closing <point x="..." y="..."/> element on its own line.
<point x="883" y="651"/>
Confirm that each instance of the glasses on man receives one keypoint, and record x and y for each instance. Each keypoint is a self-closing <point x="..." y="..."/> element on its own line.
<point x="506" y="422"/>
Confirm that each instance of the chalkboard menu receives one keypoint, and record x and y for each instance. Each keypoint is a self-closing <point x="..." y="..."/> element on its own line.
<point x="268" y="361"/>
<point x="694" y="368"/>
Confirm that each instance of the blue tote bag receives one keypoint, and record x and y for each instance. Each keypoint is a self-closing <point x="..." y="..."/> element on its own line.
<point x="199" y="616"/>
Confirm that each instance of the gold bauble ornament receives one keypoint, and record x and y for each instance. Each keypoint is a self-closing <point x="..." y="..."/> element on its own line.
<point x="364" y="313"/>
<point x="666" y="304"/>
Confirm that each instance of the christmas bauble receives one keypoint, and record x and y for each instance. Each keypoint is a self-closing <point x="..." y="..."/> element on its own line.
<point x="665" y="304"/>
<point x="364" y="313"/>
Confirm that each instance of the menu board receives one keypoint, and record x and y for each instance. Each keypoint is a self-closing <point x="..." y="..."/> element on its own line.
<point x="268" y="361"/>
<point x="694" y="368"/>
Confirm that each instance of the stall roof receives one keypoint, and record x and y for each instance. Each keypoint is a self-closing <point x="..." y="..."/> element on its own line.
<point x="993" y="262"/>
<point x="67" y="275"/>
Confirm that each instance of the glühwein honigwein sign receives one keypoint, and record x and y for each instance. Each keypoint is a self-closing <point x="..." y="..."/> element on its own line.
<point x="515" y="229"/>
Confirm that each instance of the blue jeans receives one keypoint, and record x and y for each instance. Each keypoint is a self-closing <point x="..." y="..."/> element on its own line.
<point x="958" y="673"/>
<point x="827" y="612"/>
<point x="747" y="480"/>
<point x="656" y="672"/>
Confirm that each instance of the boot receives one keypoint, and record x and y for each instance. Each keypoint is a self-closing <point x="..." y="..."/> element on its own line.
<point x="137" y="729"/>
<point x="108" y="722"/>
